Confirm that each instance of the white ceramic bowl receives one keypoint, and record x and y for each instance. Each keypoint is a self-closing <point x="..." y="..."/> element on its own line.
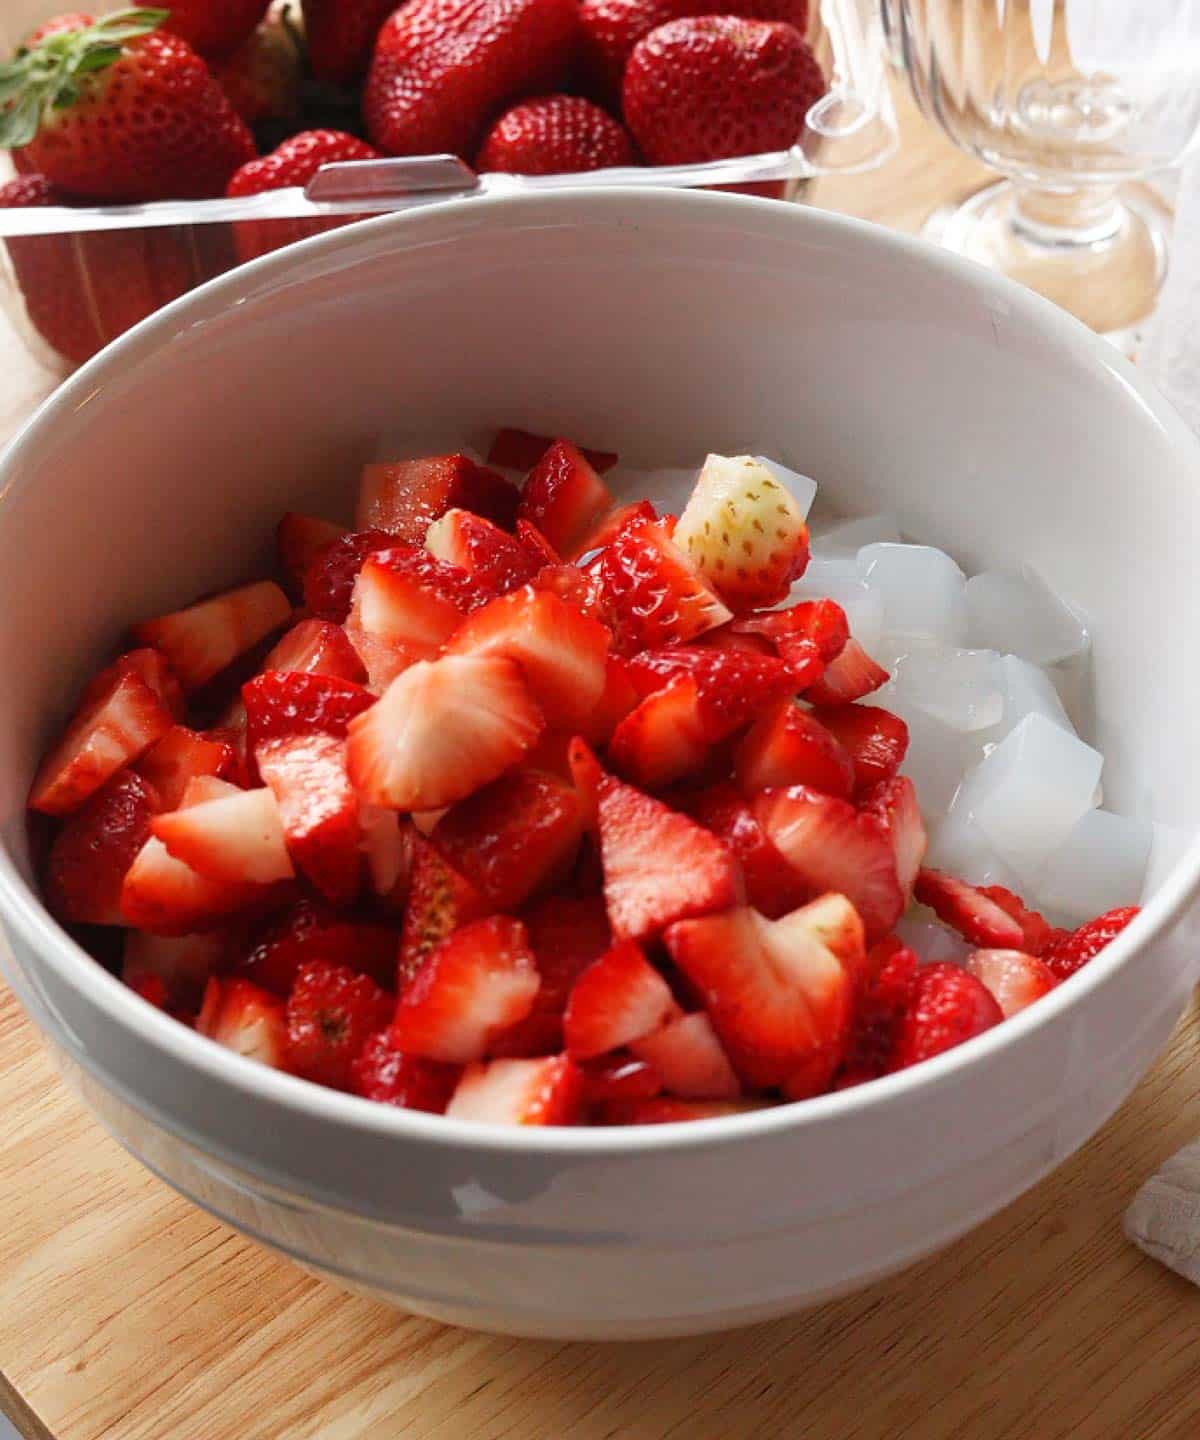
<point x="661" y="323"/>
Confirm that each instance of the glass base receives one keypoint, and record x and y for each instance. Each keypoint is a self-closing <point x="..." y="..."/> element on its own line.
<point x="1100" y="254"/>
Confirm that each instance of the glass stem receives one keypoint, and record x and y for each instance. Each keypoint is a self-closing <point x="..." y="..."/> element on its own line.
<point x="1092" y="216"/>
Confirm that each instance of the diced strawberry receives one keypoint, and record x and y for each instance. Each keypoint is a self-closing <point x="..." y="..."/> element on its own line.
<point x="1065" y="954"/>
<point x="619" y="998"/>
<point x="514" y="836"/>
<point x="331" y="1013"/>
<point x="318" y="810"/>
<point x="587" y="774"/>
<point x="851" y="676"/>
<point x="809" y="635"/>
<point x="477" y="983"/>
<point x="1037" y="929"/>
<point x="619" y="1076"/>
<point x="832" y="846"/>
<point x="317" y="647"/>
<point x="381" y="1072"/>
<point x="167" y="897"/>
<point x="441" y="730"/>
<point x="119" y="719"/>
<point x="333" y="569"/>
<point x="202" y="640"/>
<point x="297" y="539"/>
<point x="690" y="1060"/>
<point x="233" y="839"/>
<point x="876" y="1023"/>
<point x="495" y="558"/>
<point x="310" y="930"/>
<point x="579" y="588"/>
<point x="152" y="989"/>
<point x="94" y="849"/>
<point x="536" y="545"/>
<point x="440" y="902"/>
<point x="662" y="739"/>
<point x="728" y="637"/>
<point x="281" y="704"/>
<point x="560" y="652"/>
<point x="182" y="964"/>
<point x="246" y="1020"/>
<point x="521" y="450"/>
<point x="1014" y="979"/>
<point x="788" y="745"/>
<point x="772" y="885"/>
<point x="149" y="665"/>
<point x="617" y="699"/>
<point x="666" y="1110"/>
<point x="610" y="525"/>
<point x="946" y="1006"/>
<point x="965" y="908"/>
<point x="659" y="866"/>
<point x="550" y="755"/>
<point x="567" y="933"/>
<point x="407" y="496"/>
<point x="565" y="498"/>
<point x="875" y="739"/>
<point x="894" y="804"/>
<point x="659" y="599"/>
<point x="178" y="757"/>
<point x="387" y="840"/>
<point x="520" y="1092"/>
<point x="733" y="686"/>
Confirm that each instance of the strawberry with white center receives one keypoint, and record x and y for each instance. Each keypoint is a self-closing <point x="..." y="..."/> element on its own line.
<point x="235" y="837"/>
<point x="1015" y="980"/>
<point x="618" y="999"/>
<point x="167" y="897"/>
<point x="495" y="558"/>
<point x="661" y="740"/>
<point x="246" y="1020"/>
<point x="851" y="676"/>
<point x="547" y="1091"/>
<point x="689" y="1059"/>
<point x="318" y="809"/>
<point x="565" y="498"/>
<point x="967" y="909"/>
<point x="180" y="756"/>
<point x="658" y="597"/>
<point x="405" y="497"/>
<point x="202" y="640"/>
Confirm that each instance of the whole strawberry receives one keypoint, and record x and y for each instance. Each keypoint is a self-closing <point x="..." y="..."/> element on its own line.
<point x="262" y="76"/>
<point x="442" y="68"/>
<point x="714" y="86"/>
<point x="554" y="135"/>
<point x="214" y="28"/>
<point x="340" y="35"/>
<point x="119" y="110"/>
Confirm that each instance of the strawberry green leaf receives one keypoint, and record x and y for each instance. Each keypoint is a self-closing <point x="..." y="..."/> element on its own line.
<point x="19" y="123"/>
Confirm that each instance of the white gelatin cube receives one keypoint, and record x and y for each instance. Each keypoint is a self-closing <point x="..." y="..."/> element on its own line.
<point x="960" y="847"/>
<point x="1101" y="865"/>
<point x="802" y="489"/>
<point x="849" y="537"/>
<point x="1017" y="613"/>
<point x="1027" y="690"/>
<point x="921" y="930"/>
<point x="938" y="756"/>
<point x="961" y="688"/>
<point x="838" y="579"/>
<point x="923" y="592"/>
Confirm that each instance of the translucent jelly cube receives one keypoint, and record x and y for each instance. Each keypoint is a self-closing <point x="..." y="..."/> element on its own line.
<point x="960" y="847"/>
<point x="849" y="537"/>
<point x="923" y="591"/>
<point x="922" y="931"/>
<point x="961" y="688"/>
<point x="669" y="488"/>
<point x="1027" y="690"/>
<point x="800" y="486"/>
<point x="838" y="579"/>
<point x="1017" y="613"/>
<point x="938" y="756"/>
<point x="1101" y="865"/>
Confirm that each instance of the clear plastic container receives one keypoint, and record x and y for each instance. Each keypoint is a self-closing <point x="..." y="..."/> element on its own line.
<point x="72" y="279"/>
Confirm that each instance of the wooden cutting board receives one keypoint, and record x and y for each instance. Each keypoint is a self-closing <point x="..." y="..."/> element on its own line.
<point x="125" y="1313"/>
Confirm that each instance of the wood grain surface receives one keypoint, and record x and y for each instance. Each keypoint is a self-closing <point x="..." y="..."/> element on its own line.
<point x="127" y="1314"/>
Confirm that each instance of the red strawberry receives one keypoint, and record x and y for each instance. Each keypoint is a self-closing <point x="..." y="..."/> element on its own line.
<point x="536" y="544"/>
<point x="340" y="35"/>
<point x="120" y="111"/>
<point x="877" y="740"/>
<point x="405" y="497"/>
<point x="520" y="450"/>
<point x="689" y="1059"/>
<point x="483" y="550"/>
<point x="478" y="982"/>
<point x="555" y="134"/>
<point x="214" y="27"/>
<point x="876" y="1023"/>
<point x="310" y="930"/>
<point x="709" y="87"/>
<point x="261" y="78"/>
<point x="565" y="498"/>
<point x="96" y="846"/>
<point x="331" y="1013"/>
<point x="772" y="885"/>
<point x="788" y="745"/>
<point x="851" y="676"/>
<point x="167" y="897"/>
<point x="520" y="1092"/>
<point x="513" y="836"/>
<point x="579" y="588"/>
<point x="202" y="640"/>
<point x="387" y="841"/>
<point x="182" y="964"/>
<point x="180" y="756"/>
<point x="281" y="704"/>
<point x="442" y="68"/>
<point x="245" y="1019"/>
<point x="316" y="647"/>
<point x="976" y="917"/>
<point x="893" y="804"/>
<point x="946" y="1006"/>
<point x="809" y="635"/>
<point x="732" y="686"/>
<point x="235" y="838"/>
<point x="317" y="809"/>
<point x="298" y="538"/>
<point x="617" y="699"/>
<point x="1014" y="979"/>
<point x="1066" y="954"/>
<point x="1037" y="929"/>
<point x="659" y="866"/>
<point x="440" y="902"/>
<point x="333" y="569"/>
<point x="619" y="1076"/>
<point x="662" y="740"/>
<point x="610" y="525"/>
<point x="666" y="1110"/>
<point x="381" y="1072"/>
<point x="619" y="998"/>
<point x="659" y="598"/>
<point x="441" y="730"/>
<point x="148" y="665"/>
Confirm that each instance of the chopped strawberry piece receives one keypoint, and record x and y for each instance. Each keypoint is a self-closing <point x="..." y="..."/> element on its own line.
<point x="181" y="964"/>
<point x="851" y="676"/>
<point x="310" y="930"/>
<point x="514" y="836"/>
<point x="587" y="774"/>
<point x="976" y="917"/>
<point x="894" y="804"/>
<point x="536" y="545"/>
<point x="1014" y="979"/>
<point x="619" y="998"/>
<point x="235" y="838"/>
<point x="579" y="588"/>
<point x="167" y="897"/>
<point x="91" y="854"/>
<point x="788" y="745"/>
<point x="733" y="686"/>
<point x="520" y="1092"/>
<point x="381" y="1072"/>
<point x="610" y="525"/>
<point x="619" y="1076"/>
<point x="662" y="740"/>
<point x="873" y="1038"/>
<point x="875" y="739"/>
<point x="567" y="934"/>
<point x="550" y="755"/>
<point x="617" y="699"/>
<point x="659" y="866"/>
<point x="1065" y="954"/>
<point x="387" y="844"/>
<point x="659" y="599"/>
<point x="441" y="730"/>
<point x="809" y="635"/>
<point x="689" y="1059"/>
<point x="407" y="496"/>
<point x="149" y="665"/>
<point x="333" y="569"/>
<point x="483" y="550"/>
<point x="560" y="652"/>
<point x="318" y="810"/>
<point x="202" y="640"/>
<point x="281" y="704"/>
<point x="478" y="982"/>
<point x="778" y="992"/>
<point x="180" y="756"/>
<point x="947" y="1006"/>
<point x="331" y="1013"/>
<point x="520" y="450"/>
<point x="565" y="498"/>
<point x="440" y="902"/>
<point x="772" y="885"/>
<point x="245" y="1019"/>
<point x="152" y="989"/>
<point x="297" y="539"/>
<point x="317" y="647"/>
<point x="666" y="1110"/>
<point x="1037" y="929"/>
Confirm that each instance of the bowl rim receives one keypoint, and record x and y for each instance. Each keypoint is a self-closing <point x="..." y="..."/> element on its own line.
<point x="21" y="905"/>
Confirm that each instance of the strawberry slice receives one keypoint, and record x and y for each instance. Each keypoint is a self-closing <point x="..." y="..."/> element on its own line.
<point x="788" y="745"/>
<point x="610" y="525"/>
<point x="478" y="982"/>
<point x="876" y="1023"/>
<point x="318" y="810"/>
<point x="658" y="598"/>
<point x="521" y="450"/>
<point x="565" y="498"/>
<point x="407" y="496"/>
<point x="733" y="686"/>
<point x="441" y="730"/>
<point x="246" y="1020"/>
<point x="331" y="1013"/>
<point x="617" y="699"/>
<point x="180" y="756"/>
<point x="666" y="1110"/>
<point x="809" y="635"/>
<point x="514" y="836"/>
<point x="317" y="647"/>
<point x="152" y="667"/>
<point x="311" y="930"/>
<point x="387" y="841"/>
<point x="297" y="539"/>
<point x="875" y="739"/>
<point x="202" y="640"/>
<point x="832" y="846"/>
<point x="689" y="1059"/>
<point x="743" y="532"/>
<point x="965" y="908"/>
<point x="536" y="546"/>
<point x="894" y="804"/>
<point x="772" y="885"/>
<point x="1014" y="979"/>
<point x="946" y="1006"/>
<point x="497" y="560"/>
<point x="167" y="897"/>
<point x="1036" y="928"/>
<point x="440" y="902"/>
<point x="119" y="718"/>
<point x="381" y="1072"/>
<point x="281" y="704"/>
<point x="235" y="838"/>
<point x="520" y="1092"/>
<point x="182" y="964"/>
<point x="851" y="676"/>
<point x="1067" y="953"/>
<point x="619" y="1076"/>
<point x="778" y="992"/>
<point x="659" y="866"/>
<point x="619" y="998"/>
<point x="662" y="740"/>
<point x="333" y="569"/>
<point x="87" y="864"/>
<point x="579" y="588"/>
<point x="560" y="652"/>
